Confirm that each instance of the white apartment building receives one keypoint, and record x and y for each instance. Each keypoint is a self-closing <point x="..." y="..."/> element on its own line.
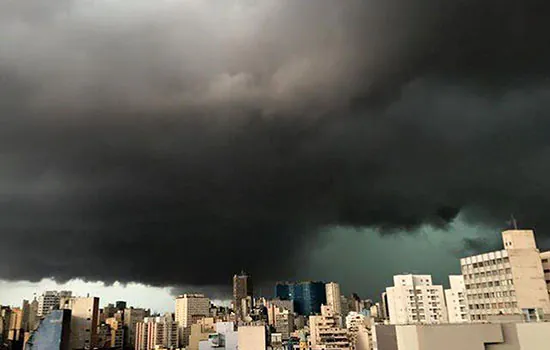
<point x="49" y="300"/>
<point x="508" y="281"/>
<point x="189" y="309"/>
<point x="84" y="322"/>
<point x="455" y="297"/>
<point x="333" y="296"/>
<point x="414" y="299"/>
<point x="359" y="330"/>
<point x="325" y="331"/>
<point x="131" y="317"/>
<point x="157" y="333"/>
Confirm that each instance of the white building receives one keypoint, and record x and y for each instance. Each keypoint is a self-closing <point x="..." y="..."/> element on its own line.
<point x="156" y="333"/>
<point x="326" y="332"/>
<point x="84" y="322"/>
<point x="225" y="338"/>
<point x="333" y="296"/>
<point x="189" y="309"/>
<point x="49" y="300"/>
<point x="359" y="330"/>
<point x="455" y="297"/>
<point x="508" y="281"/>
<point x="131" y="317"/>
<point x="414" y="299"/>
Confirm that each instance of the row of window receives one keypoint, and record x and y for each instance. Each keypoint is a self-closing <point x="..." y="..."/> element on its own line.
<point x="488" y="273"/>
<point x="505" y="293"/>
<point x="494" y="305"/>
<point x="419" y="291"/>
<point x="487" y="263"/>
<point x="490" y="284"/>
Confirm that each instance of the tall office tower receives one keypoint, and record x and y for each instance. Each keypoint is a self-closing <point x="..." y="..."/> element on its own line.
<point x="242" y="288"/>
<point x="157" y="333"/>
<point x="325" y="330"/>
<point x="334" y="297"/>
<point x="414" y="299"/>
<point x="49" y="300"/>
<point x="189" y="309"/>
<point x="306" y="296"/>
<point x="545" y="260"/>
<point x="52" y="333"/>
<point x="84" y="322"/>
<point x="131" y="317"/>
<point x="455" y="297"/>
<point x="508" y="281"/>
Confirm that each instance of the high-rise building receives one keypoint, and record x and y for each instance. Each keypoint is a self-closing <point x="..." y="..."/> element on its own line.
<point x="189" y="309"/>
<point x="49" y="300"/>
<point x="84" y="322"/>
<point x="326" y="331"/>
<point x="157" y="333"/>
<point x="120" y="305"/>
<point x="131" y="317"/>
<point x="52" y="333"/>
<point x="33" y="315"/>
<point x="334" y="297"/>
<point x="455" y="297"/>
<point x="306" y="296"/>
<point x="508" y="281"/>
<point x="414" y="299"/>
<point x="242" y="288"/>
<point x="117" y="332"/>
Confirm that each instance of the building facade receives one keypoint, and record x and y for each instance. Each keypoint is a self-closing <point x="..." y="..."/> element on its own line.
<point x="508" y="281"/>
<point x="333" y="297"/>
<point x="307" y="296"/>
<point x="84" y="322"/>
<point x="189" y="309"/>
<point x="131" y="317"/>
<point x="455" y="297"/>
<point x="414" y="299"/>
<point x="242" y="290"/>
<point x="326" y="332"/>
<point x="157" y="333"/>
<point x="49" y="300"/>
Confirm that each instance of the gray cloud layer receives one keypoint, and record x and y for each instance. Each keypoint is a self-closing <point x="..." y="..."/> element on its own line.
<point x="178" y="142"/>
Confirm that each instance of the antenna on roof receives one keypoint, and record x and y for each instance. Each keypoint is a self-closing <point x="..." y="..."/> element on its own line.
<point x="513" y="222"/>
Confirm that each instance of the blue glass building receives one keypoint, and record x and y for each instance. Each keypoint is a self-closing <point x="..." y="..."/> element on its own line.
<point x="307" y="296"/>
<point x="52" y="333"/>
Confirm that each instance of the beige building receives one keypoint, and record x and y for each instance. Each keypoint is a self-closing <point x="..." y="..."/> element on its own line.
<point x="84" y="322"/>
<point x="200" y="332"/>
<point x="455" y="298"/>
<point x="359" y="330"/>
<point x="131" y="317"/>
<point x="326" y="332"/>
<point x="117" y="332"/>
<point x="284" y="323"/>
<point x="545" y="260"/>
<point x="414" y="299"/>
<point x="333" y="296"/>
<point x="508" y="281"/>
<point x="156" y="333"/>
<point x="189" y="309"/>
<point x="252" y="338"/>
<point x="473" y="336"/>
<point x="49" y="300"/>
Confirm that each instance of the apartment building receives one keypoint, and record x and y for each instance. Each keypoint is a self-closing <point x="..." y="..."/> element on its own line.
<point x="156" y="333"/>
<point x="545" y="260"/>
<point x="414" y="299"/>
<point x="333" y="297"/>
<point x="189" y="309"/>
<point x="508" y="281"/>
<point x="326" y="332"/>
<point x="455" y="297"/>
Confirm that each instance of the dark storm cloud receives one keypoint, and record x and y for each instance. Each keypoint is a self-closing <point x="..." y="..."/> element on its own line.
<point x="179" y="143"/>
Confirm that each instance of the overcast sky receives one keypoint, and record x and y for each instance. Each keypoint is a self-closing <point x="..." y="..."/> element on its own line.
<point x="174" y="143"/>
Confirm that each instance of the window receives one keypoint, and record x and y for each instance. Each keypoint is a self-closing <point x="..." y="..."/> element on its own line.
<point x="546" y="270"/>
<point x="506" y="259"/>
<point x="544" y="261"/>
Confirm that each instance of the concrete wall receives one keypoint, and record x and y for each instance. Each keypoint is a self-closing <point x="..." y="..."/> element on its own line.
<point x="252" y="338"/>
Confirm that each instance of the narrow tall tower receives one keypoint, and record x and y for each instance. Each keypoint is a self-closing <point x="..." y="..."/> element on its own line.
<point x="242" y="288"/>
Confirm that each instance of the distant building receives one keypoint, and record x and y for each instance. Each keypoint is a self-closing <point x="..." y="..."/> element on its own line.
<point x="120" y="305"/>
<point x="131" y="317"/>
<point x="16" y="325"/>
<point x="333" y="297"/>
<point x="508" y="281"/>
<point x="34" y="319"/>
<point x="49" y="300"/>
<point x="359" y="330"/>
<point x="414" y="299"/>
<point x="326" y="332"/>
<point x="157" y="333"/>
<point x="242" y="289"/>
<point x="189" y="309"/>
<point x="306" y="296"/>
<point x="52" y="333"/>
<point x="275" y="305"/>
<point x="455" y="297"/>
<point x="545" y="260"/>
<point x="117" y="332"/>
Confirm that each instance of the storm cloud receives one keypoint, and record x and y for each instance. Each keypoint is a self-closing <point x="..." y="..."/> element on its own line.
<point x="178" y="142"/>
